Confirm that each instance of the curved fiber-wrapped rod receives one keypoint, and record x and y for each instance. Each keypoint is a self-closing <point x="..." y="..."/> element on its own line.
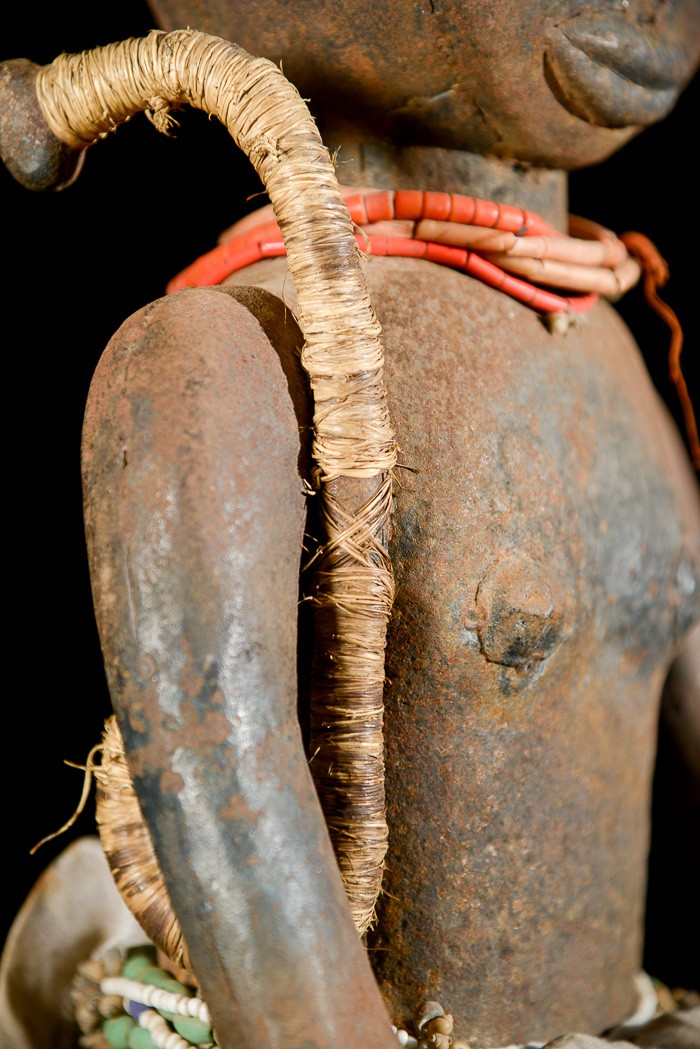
<point x="84" y="98"/>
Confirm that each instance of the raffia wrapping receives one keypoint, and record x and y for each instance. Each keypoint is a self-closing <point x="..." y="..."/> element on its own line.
<point x="129" y="849"/>
<point x="84" y="98"/>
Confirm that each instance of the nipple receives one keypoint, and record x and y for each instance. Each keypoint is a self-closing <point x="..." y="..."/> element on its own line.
<point x="519" y="614"/>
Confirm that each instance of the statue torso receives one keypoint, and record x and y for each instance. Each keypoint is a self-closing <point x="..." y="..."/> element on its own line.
<point x="545" y="573"/>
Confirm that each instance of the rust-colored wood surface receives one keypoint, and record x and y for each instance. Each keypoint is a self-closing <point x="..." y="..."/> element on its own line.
<point x="525" y="695"/>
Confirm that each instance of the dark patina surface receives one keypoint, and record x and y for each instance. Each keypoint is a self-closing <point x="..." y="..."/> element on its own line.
<point x="543" y="587"/>
<point x="545" y="545"/>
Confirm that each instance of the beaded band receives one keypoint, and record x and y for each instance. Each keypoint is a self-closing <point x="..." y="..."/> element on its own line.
<point x="444" y="224"/>
<point x="498" y="244"/>
<point x="134" y="992"/>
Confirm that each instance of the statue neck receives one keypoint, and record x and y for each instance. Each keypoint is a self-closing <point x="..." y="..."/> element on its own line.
<point x="383" y="165"/>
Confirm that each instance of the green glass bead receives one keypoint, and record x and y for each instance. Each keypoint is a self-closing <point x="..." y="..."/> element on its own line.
<point x="138" y="962"/>
<point x="140" y="1038"/>
<point x="159" y="978"/>
<point x="117" y="1030"/>
<point x="192" y="1030"/>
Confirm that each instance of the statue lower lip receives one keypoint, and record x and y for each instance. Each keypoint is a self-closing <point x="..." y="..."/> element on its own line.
<point x="615" y="74"/>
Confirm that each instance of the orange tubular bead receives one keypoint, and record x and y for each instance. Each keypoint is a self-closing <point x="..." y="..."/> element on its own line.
<point x="463" y="209"/>
<point x="408" y="204"/>
<point x="214" y="267"/>
<point x="226" y="258"/>
<point x="403" y="246"/>
<point x="511" y="220"/>
<point x="217" y="265"/>
<point x="259" y="234"/>
<point x="446" y="255"/>
<point x="437" y="206"/>
<point x="379" y="206"/>
<point x="486" y="213"/>
<point x="535" y="226"/>
<point x="356" y="206"/>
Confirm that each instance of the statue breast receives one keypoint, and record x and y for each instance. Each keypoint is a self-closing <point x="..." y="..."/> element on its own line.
<point x="544" y="576"/>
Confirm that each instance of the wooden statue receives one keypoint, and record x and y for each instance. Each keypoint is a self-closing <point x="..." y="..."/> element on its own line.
<point x="544" y="540"/>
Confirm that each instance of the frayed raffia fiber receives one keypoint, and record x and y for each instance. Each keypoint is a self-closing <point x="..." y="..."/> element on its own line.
<point x="129" y="849"/>
<point x="85" y="97"/>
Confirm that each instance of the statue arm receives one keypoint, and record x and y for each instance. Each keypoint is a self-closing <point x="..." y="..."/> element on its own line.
<point x="194" y="513"/>
<point x="673" y="900"/>
<point x="681" y="704"/>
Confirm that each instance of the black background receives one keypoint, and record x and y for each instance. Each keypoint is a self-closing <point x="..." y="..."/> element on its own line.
<point x="74" y="266"/>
